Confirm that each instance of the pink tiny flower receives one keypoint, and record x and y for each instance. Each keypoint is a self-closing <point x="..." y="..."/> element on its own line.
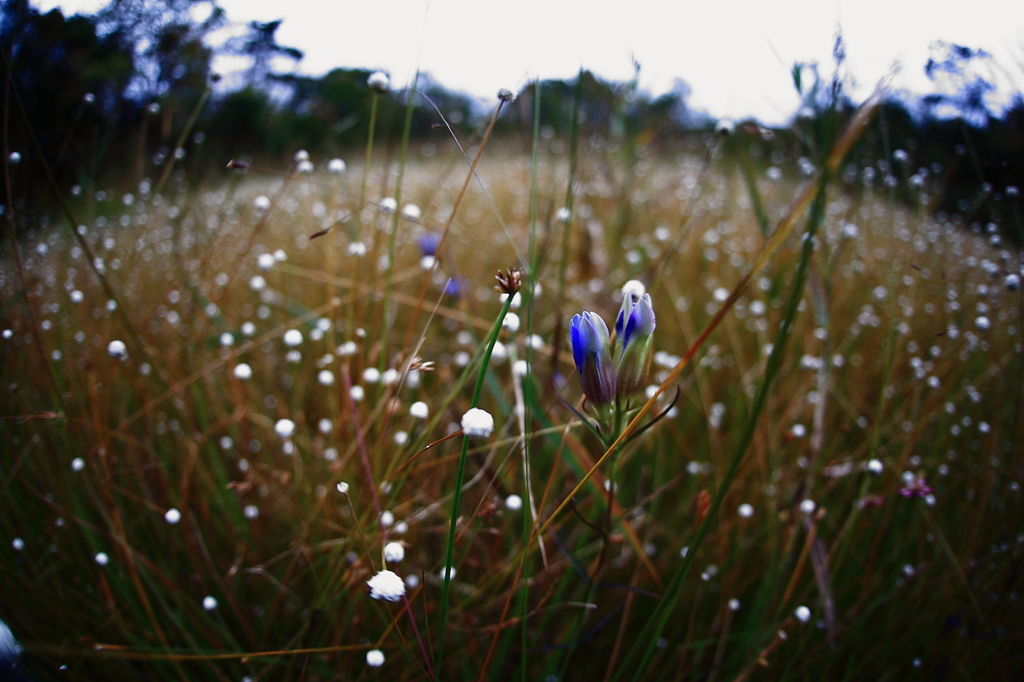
<point x="916" y="488"/>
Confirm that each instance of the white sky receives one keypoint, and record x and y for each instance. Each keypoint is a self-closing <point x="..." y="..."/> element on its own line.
<point x="736" y="56"/>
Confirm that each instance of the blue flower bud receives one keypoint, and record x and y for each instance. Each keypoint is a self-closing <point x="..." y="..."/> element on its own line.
<point x="588" y="335"/>
<point x="634" y="329"/>
<point x="429" y="243"/>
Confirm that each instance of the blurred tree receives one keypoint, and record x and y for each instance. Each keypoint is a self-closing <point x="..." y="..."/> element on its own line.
<point x="260" y="44"/>
<point x="70" y="79"/>
<point x="166" y="41"/>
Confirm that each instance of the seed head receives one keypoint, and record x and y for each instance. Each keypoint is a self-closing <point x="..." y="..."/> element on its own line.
<point x="510" y="281"/>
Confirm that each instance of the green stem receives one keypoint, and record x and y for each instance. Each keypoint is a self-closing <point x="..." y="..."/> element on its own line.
<point x="459" y="477"/>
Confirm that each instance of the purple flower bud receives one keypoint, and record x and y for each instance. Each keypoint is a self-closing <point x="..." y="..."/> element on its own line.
<point x="429" y="243"/>
<point x="588" y="335"/>
<point x="634" y="329"/>
<point x="455" y="287"/>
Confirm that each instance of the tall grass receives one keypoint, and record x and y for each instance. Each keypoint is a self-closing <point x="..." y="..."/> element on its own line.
<point x="832" y="496"/>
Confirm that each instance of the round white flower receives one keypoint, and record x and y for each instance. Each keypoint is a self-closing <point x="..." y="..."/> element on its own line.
<point x="265" y="261"/>
<point x="802" y="613"/>
<point x="261" y="203"/>
<point x="325" y="377"/>
<point x="875" y="466"/>
<point x="477" y="423"/>
<point x="386" y="585"/>
<point x="808" y="506"/>
<point x="371" y="375"/>
<point x="209" y="603"/>
<point x="394" y="552"/>
<point x="387" y="518"/>
<point x="243" y="371"/>
<point x="745" y="511"/>
<point x="101" y="558"/>
<point x="117" y="350"/>
<point x="734" y="604"/>
<point x="343" y="488"/>
<point x="172" y="516"/>
<point x="517" y="300"/>
<point x="292" y="337"/>
<point x="375" y="658"/>
<point x="285" y="428"/>
<point x="356" y="393"/>
<point x="635" y="286"/>
<point x="378" y="81"/>
<point x="520" y="368"/>
<point x="513" y="502"/>
<point x="77" y="464"/>
<point x="419" y="410"/>
<point x="336" y="166"/>
<point x="511" y="322"/>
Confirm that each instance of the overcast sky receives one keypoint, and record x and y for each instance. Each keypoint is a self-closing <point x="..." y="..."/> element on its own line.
<point x="736" y="56"/>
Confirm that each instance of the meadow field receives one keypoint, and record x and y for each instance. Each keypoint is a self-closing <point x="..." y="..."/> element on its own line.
<point x="236" y="442"/>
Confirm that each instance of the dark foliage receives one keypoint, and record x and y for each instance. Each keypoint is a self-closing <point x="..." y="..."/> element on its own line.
<point x="88" y="85"/>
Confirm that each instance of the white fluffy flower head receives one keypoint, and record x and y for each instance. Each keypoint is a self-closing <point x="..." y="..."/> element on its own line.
<point x="635" y="286"/>
<point x="394" y="552"/>
<point x="117" y="350"/>
<point x="477" y="423"/>
<point x="378" y="81"/>
<point x="386" y="585"/>
<point x="285" y="428"/>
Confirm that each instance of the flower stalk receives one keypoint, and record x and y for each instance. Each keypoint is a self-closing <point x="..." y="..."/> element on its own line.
<point x="508" y="283"/>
